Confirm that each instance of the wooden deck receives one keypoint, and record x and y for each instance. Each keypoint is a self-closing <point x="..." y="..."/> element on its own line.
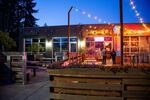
<point x="94" y="84"/>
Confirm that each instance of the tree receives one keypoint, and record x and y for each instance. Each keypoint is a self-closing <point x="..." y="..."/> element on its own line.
<point x="29" y="19"/>
<point x="35" y="48"/>
<point x="16" y="14"/>
<point x="6" y="42"/>
<point x="45" y="25"/>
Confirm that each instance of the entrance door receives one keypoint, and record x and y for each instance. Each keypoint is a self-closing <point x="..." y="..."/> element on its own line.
<point x="94" y="45"/>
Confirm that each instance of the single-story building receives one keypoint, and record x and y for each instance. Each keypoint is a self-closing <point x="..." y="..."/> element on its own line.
<point x="88" y="39"/>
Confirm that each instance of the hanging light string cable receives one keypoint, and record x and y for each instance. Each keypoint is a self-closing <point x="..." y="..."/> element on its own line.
<point x="96" y="18"/>
<point x="137" y="14"/>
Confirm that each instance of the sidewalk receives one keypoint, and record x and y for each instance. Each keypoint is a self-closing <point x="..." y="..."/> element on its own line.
<point x="37" y="89"/>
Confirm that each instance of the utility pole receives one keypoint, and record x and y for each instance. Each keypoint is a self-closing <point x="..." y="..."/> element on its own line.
<point x="69" y="31"/>
<point x="121" y="29"/>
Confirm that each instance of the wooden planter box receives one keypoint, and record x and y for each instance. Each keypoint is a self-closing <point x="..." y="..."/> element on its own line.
<point x="95" y="84"/>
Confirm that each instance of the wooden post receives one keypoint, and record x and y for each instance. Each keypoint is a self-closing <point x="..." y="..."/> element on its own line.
<point x="121" y="30"/>
<point x="69" y="31"/>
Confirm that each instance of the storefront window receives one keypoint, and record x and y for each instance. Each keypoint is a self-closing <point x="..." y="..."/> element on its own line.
<point x="56" y="47"/>
<point x="64" y="46"/>
<point x="73" y="47"/>
<point x="99" y="45"/>
<point x="38" y="43"/>
<point x="90" y="39"/>
<point x="34" y="40"/>
<point x="27" y="47"/>
<point x="73" y="39"/>
<point x="42" y="40"/>
<point x="60" y="44"/>
<point x="28" y="41"/>
<point x="56" y="39"/>
<point x="64" y="39"/>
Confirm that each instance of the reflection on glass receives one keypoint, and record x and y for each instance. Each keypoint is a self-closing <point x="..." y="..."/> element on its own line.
<point x="42" y="40"/>
<point x="126" y="43"/>
<point x="28" y="41"/>
<point x="134" y="49"/>
<point x="56" y="39"/>
<point x="126" y="38"/>
<point x="73" y="47"/>
<point x="42" y="44"/>
<point x="64" y="39"/>
<point x="27" y="47"/>
<point x="73" y="39"/>
<point x="134" y="43"/>
<point x="134" y="38"/>
<point x="64" y="46"/>
<point x="56" y="47"/>
<point x="35" y="40"/>
<point x="126" y="49"/>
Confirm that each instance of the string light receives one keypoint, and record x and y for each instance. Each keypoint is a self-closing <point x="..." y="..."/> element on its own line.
<point x="99" y="20"/>
<point x="89" y="15"/>
<point x="76" y="9"/>
<point x="96" y="18"/>
<point x="83" y="12"/>
<point x="137" y="14"/>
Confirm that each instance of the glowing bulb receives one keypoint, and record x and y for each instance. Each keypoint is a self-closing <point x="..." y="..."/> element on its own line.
<point x="95" y="17"/>
<point x="137" y="14"/>
<point x="90" y="26"/>
<point x="83" y="12"/>
<point x="131" y="3"/>
<point x="89" y="15"/>
<point x="76" y="9"/>
<point x="133" y="7"/>
<point x="141" y="19"/>
<point x="99" y="20"/>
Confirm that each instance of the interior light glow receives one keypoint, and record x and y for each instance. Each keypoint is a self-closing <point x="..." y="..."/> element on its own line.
<point x="82" y="44"/>
<point x="99" y="39"/>
<point x="49" y="44"/>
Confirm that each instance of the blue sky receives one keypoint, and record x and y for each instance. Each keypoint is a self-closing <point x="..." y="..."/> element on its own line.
<point x="54" y="12"/>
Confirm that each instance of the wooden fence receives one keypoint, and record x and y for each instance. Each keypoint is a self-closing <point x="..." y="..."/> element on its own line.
<point x="93" y="84"/>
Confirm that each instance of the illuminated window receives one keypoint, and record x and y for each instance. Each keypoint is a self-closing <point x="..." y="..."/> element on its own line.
<point x="60" y="44"/>
<point x="40" y="42"/>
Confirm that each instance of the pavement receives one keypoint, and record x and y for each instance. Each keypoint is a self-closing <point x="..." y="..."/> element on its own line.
<point x="36" y="89"/>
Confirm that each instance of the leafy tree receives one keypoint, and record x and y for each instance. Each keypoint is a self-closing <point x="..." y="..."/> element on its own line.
<point x="45" y="25"/>
<point x="28" y="8"/>
<point x="6" y="42"/>
<point x="35" y="48"/>
<point x="16" y="14"/>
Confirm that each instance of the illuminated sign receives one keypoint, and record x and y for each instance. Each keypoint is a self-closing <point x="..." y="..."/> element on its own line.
<point x="99" y="39"/>
<point x="108" y="38"/>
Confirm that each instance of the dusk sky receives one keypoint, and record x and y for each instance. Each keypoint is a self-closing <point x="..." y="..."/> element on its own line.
<point x="54" y="12"/>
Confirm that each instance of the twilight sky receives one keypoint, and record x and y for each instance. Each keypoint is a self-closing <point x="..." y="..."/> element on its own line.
<point x="54" y="12"/>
